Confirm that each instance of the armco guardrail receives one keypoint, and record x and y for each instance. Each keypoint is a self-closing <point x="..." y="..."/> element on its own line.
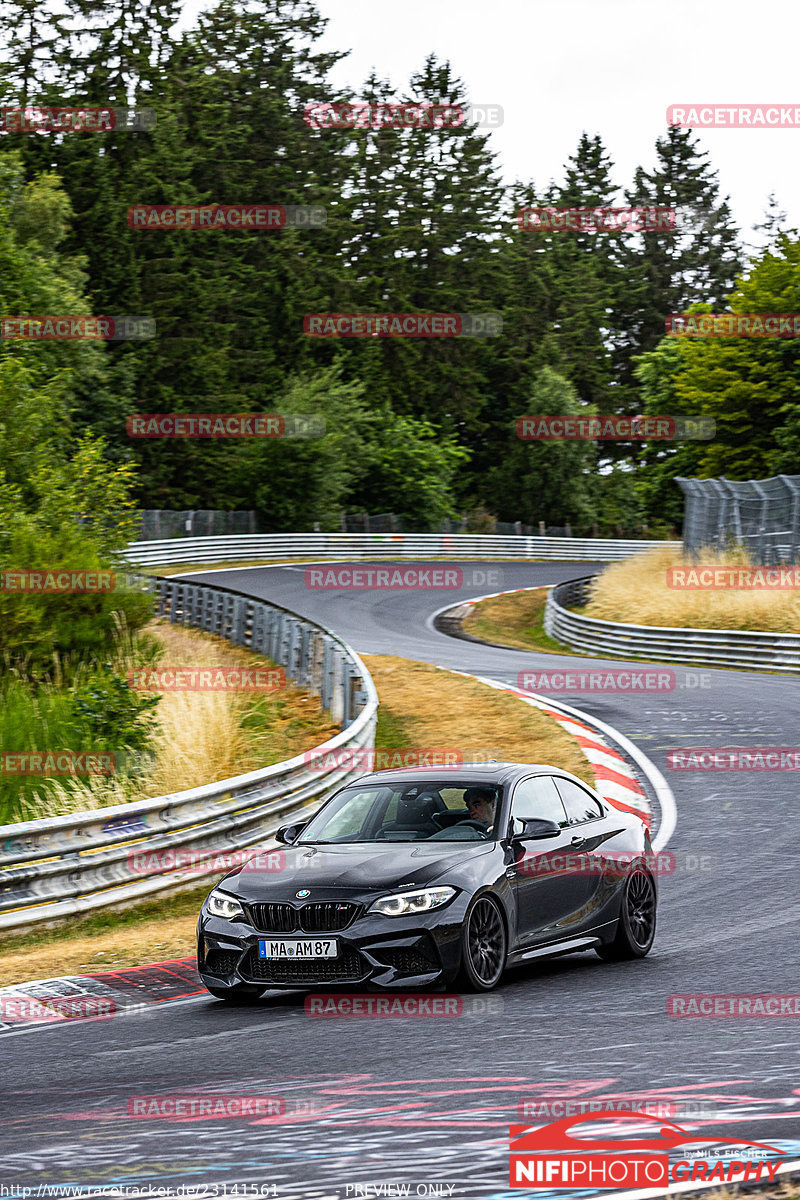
<point x="711" y="647"/>
<point x="72" y="864"/>
<point x="240" y="547"/>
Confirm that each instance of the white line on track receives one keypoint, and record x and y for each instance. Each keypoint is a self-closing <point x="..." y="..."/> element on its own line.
<point x="663" y="791"/>
<point x="146" y="1011"/>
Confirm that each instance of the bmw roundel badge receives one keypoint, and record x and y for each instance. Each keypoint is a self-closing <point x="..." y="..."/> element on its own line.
<point x="301" y="895"/>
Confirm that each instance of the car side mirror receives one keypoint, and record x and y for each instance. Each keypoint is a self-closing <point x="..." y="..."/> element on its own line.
<point x="529" y="828"/>
<point x="289" y="833"/>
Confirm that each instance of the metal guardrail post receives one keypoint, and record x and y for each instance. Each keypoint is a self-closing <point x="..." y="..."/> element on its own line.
<point x="328" y="671"/>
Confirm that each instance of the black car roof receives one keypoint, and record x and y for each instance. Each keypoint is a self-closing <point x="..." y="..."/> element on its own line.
<point x="498" y="773"/>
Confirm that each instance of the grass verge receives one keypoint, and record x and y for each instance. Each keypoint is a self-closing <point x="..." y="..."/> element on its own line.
<point x="637" y="591"/>
<point x="516" y="621"/>
<point x="421" y="706"/>
<point x="200" y="736"/>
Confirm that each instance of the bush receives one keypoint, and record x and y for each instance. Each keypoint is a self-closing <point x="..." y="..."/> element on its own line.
<point x="99" y="713"/>
<point x="48" y="634"/>
<point x="107" y="709"/>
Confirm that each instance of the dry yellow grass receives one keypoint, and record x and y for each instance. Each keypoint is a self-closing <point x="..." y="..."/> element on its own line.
<point x="203" y="736"/>
<point x="432" y="708"/>
<point x="514" y="620"/>
<point x="155" y="931"/>
<point x="207" y="736"/>
<point x="636" y="591"/>
<point x="421" y="706"/>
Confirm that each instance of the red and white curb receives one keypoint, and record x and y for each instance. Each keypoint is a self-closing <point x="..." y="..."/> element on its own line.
<point x="615" y="778"/>
<point x="97" y="996"/>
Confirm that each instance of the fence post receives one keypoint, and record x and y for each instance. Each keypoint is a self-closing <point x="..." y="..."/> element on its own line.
<point x="337" y="690"/>
<point x="794" y="521"/>
<point x="328" y="670"/>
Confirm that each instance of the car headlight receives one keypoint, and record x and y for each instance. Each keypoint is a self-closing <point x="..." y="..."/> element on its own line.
<point x="413" y="902"/>
<point x="220" y="904"/>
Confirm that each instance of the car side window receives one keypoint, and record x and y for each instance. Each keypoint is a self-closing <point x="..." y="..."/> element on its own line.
<point x="537" y="797"/>
<point x="580" y="805"/>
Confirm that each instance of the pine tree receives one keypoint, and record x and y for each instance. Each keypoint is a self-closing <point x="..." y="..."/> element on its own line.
<point x="583" y="267"/>
<point x="428" y="220"/>
<point x="31" y="37"/>
<point x="666" y="272"/>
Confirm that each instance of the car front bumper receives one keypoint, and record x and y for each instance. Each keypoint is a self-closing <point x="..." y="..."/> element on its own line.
<point x="375" y="952"/>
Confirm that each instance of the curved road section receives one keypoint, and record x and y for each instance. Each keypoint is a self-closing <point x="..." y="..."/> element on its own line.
<point x="366" y="1107"/>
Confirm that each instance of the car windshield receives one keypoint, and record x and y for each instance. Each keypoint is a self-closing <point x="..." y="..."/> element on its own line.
<point x="421" y="811"/>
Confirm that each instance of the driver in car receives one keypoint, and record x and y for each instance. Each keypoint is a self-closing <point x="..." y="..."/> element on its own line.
<point x="481" y="805"/>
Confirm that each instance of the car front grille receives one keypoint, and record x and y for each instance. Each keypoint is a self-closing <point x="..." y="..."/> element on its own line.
<point x="328" y="916"/>
<point x="347" y="968"/>
<point x="273" y="918"/>
<point x="325" y="917"/>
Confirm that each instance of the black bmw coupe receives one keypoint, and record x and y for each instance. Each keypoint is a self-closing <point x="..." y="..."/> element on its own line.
<point x="413" y="879"/>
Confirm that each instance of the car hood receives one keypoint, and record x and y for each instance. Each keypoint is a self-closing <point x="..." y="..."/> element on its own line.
<point x="355" y="868"/>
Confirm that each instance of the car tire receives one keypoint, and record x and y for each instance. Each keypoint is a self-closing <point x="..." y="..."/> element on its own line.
<point x="636" y="927"/>
<point x="484" y="946"/>
<point x="240" y="993"/>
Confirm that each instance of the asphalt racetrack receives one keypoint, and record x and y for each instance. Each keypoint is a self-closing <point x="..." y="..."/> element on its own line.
<point x="373" y="1105"/>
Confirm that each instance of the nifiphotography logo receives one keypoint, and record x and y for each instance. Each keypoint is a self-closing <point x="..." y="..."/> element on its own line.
<point x="551" y="1156"/>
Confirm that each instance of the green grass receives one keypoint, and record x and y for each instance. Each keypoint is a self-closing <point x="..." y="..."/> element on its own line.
<point x="516" y="621"/>
<point x="31" y="718"/>
<point x="391" y="732"/>
<point x="180" y="904"/>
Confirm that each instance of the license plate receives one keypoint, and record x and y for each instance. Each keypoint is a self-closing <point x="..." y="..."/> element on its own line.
<point x="295" y="948"/>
